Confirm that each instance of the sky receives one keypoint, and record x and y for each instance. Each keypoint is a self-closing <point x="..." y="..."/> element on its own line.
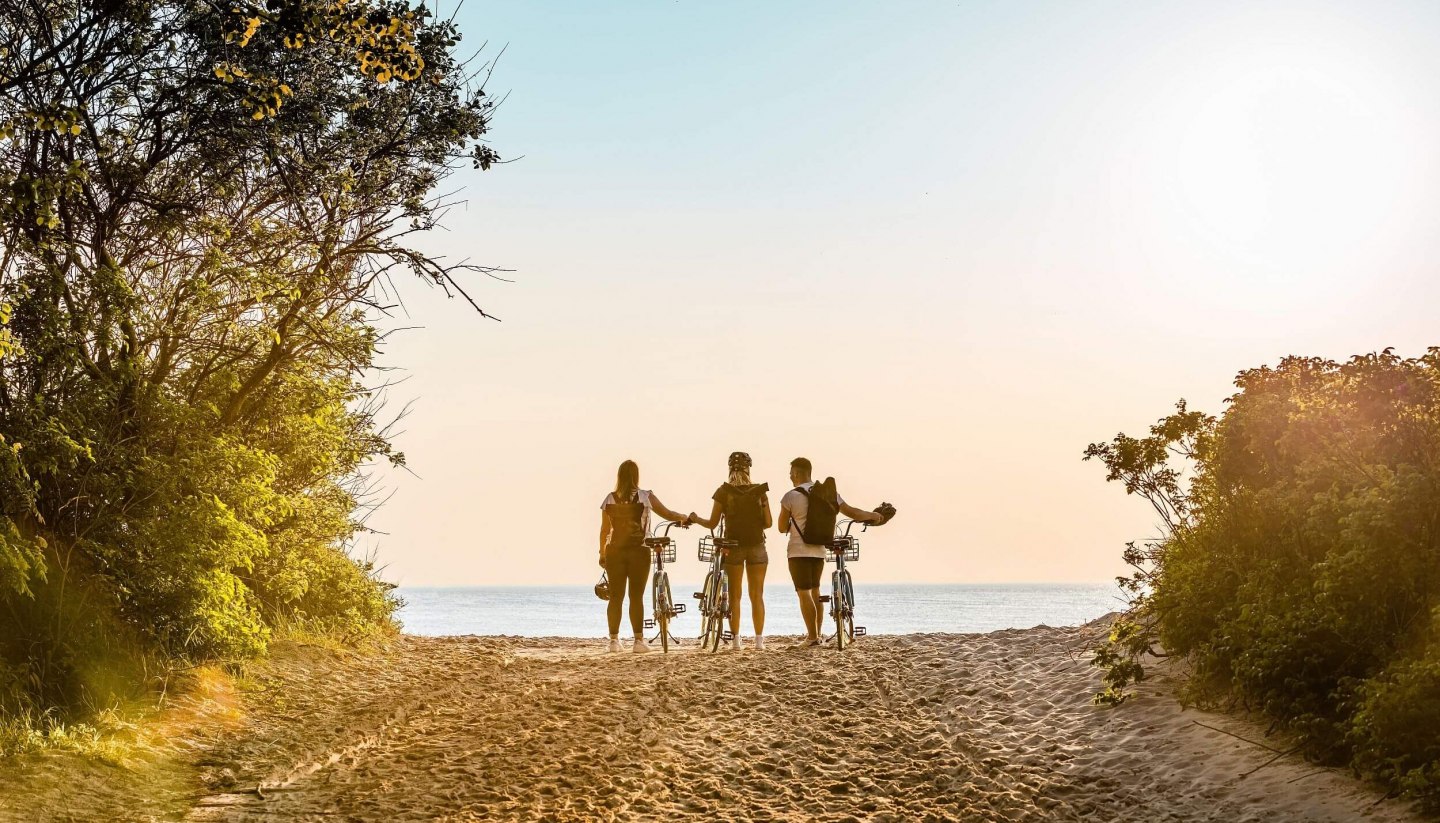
<point x="937" y="248"/>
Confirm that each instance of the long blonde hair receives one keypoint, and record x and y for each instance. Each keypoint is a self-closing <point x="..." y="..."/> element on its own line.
<point x="627" y="480"/>
<point x="739" y="477"/>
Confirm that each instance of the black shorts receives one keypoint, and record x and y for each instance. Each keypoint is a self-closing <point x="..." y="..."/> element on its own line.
<point x="805" y="572"/>
<point x="747" y="556"/>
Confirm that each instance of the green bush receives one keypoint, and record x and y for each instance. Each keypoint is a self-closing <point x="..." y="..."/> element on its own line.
<point x="1299" y="569"/>
<point x="196" y="245"/>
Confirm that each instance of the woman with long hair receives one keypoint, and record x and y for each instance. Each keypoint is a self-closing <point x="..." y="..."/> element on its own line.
<point x="746" y="509"/>
<point x="624" y="522"/>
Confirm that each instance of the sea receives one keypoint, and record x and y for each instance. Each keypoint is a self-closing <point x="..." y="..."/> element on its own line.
<point x="575" y="611"/>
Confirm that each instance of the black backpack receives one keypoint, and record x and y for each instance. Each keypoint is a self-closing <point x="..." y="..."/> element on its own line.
<point x="744" y="509"/>
<point x="627" y="520"/>
<point x="823" y="511"/>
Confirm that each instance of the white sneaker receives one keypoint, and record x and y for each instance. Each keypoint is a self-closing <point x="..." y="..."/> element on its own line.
<point x="641" y="646"/>
<point x="735" y="644"/>
<point x="614" y="644"/>
<point x="759" y="642"/>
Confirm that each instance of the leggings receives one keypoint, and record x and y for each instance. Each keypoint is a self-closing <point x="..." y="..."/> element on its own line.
<point x="627" y="569"/>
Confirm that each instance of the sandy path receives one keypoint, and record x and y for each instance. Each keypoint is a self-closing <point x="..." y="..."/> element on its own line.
<point x="920" y="727"/>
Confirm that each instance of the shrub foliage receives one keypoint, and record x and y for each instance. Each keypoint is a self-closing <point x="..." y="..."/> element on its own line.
<point x="1299" y="565"/>
<point x="201" y="210"/>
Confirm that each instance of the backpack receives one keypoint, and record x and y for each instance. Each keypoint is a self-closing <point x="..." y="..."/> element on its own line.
<point x="744" y="509"/>
<point x="820" y="516"/>
<point x="627" y="520"/>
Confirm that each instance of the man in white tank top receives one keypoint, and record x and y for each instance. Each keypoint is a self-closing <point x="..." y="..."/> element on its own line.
<point x="807" y="560"/>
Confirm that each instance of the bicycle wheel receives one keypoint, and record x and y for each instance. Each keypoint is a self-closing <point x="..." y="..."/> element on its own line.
<point x="840" y="610"/>
<point x="710" y="630"/>
<point x="722" y="610"/>
<point x="663" y="609"/>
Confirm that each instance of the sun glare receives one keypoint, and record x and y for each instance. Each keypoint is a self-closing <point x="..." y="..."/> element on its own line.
<point x="1299" y="162"/>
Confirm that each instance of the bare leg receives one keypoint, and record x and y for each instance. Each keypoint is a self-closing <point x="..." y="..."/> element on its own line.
<point x="755" y="580"/>
<point x="810" y="610"/>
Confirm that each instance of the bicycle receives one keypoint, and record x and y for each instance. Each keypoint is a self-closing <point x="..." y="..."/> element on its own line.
<point x="714" y="596"/>
<point x="663" y="606"/>
<point x="843" y="548"/>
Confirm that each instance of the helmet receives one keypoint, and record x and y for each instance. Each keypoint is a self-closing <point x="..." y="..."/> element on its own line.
<point x="739" y="460"/>
<point x="886" y="511"/>
<point x="602" y="589"/>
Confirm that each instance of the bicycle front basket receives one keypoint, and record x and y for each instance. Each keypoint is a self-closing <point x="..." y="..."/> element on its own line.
<point x="662" y="547"/>
<point x="709" y="545"/>
<point x="848" y="546"/>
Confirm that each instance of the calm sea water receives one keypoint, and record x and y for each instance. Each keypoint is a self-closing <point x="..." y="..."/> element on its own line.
<point x="574" y="611"/>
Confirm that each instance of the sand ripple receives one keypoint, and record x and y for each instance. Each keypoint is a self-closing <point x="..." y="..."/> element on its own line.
<point x="995" y="727"/>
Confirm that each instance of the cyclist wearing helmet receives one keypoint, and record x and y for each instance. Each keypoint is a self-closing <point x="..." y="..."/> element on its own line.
<point x="624" y="522"/>
<point x="746" y="508"/>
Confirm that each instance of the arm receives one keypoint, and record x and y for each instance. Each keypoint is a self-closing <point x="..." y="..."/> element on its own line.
<point x="765" y="507"/>
<point x="859" y="515"/>
<point x="660" y="509"/>
<point x="784" y="527"/>
<point x="714" y="517"/>
<point x="605" y="529"/>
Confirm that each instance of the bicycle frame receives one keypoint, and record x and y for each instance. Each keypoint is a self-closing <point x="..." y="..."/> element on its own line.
<point x="663" y="605"/>
<point x="714" y="596"/>
<point x="842" y="591"/>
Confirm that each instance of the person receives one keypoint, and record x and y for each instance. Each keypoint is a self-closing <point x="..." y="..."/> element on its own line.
<point x="806" y="560"/>
<point x="624" y="522"/>
<point x="746" y="509"/>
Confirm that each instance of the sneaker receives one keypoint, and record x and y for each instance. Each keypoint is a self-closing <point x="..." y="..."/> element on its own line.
<point x="759" y="642"/>
<point x="614" y="644"/>
<point x="735" y="644"/>
<point x="814" y="641"/>
<point x="641" y="646"/>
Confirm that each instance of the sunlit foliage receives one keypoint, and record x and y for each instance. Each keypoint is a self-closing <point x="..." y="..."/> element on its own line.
<point x="201" y="210"/>
<point x="1298" y="567"/>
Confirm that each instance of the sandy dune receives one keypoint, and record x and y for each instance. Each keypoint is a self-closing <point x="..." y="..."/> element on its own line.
<point x="923" y="727"/>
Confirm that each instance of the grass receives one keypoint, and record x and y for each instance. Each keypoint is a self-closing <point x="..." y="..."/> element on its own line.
<point x="107" y="738"/>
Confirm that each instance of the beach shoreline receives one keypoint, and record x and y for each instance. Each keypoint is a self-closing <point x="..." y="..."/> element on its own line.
<point x="996" y="726"/>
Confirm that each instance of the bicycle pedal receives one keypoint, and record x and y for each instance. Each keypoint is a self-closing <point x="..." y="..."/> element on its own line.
<point x="824" y="598"/>
<point x="679" y="608"/>
<point x="698" y="595"/>
<point x="859" y="631"/>
<point x="727" y="637"/>
<point x="649" y="624"/>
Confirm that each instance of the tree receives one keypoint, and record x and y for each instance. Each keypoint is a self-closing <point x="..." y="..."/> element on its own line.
<point x="199" y="206"/>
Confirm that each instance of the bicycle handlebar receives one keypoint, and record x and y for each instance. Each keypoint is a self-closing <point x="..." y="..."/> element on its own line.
<point x="664" y="531"/>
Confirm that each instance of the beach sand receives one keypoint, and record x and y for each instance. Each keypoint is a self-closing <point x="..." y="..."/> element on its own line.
<point x="997" y="726"/>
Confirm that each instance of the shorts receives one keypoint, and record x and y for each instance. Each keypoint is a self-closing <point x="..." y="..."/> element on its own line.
<point x="747" y="556"/>
<point x="806" y="571"/>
